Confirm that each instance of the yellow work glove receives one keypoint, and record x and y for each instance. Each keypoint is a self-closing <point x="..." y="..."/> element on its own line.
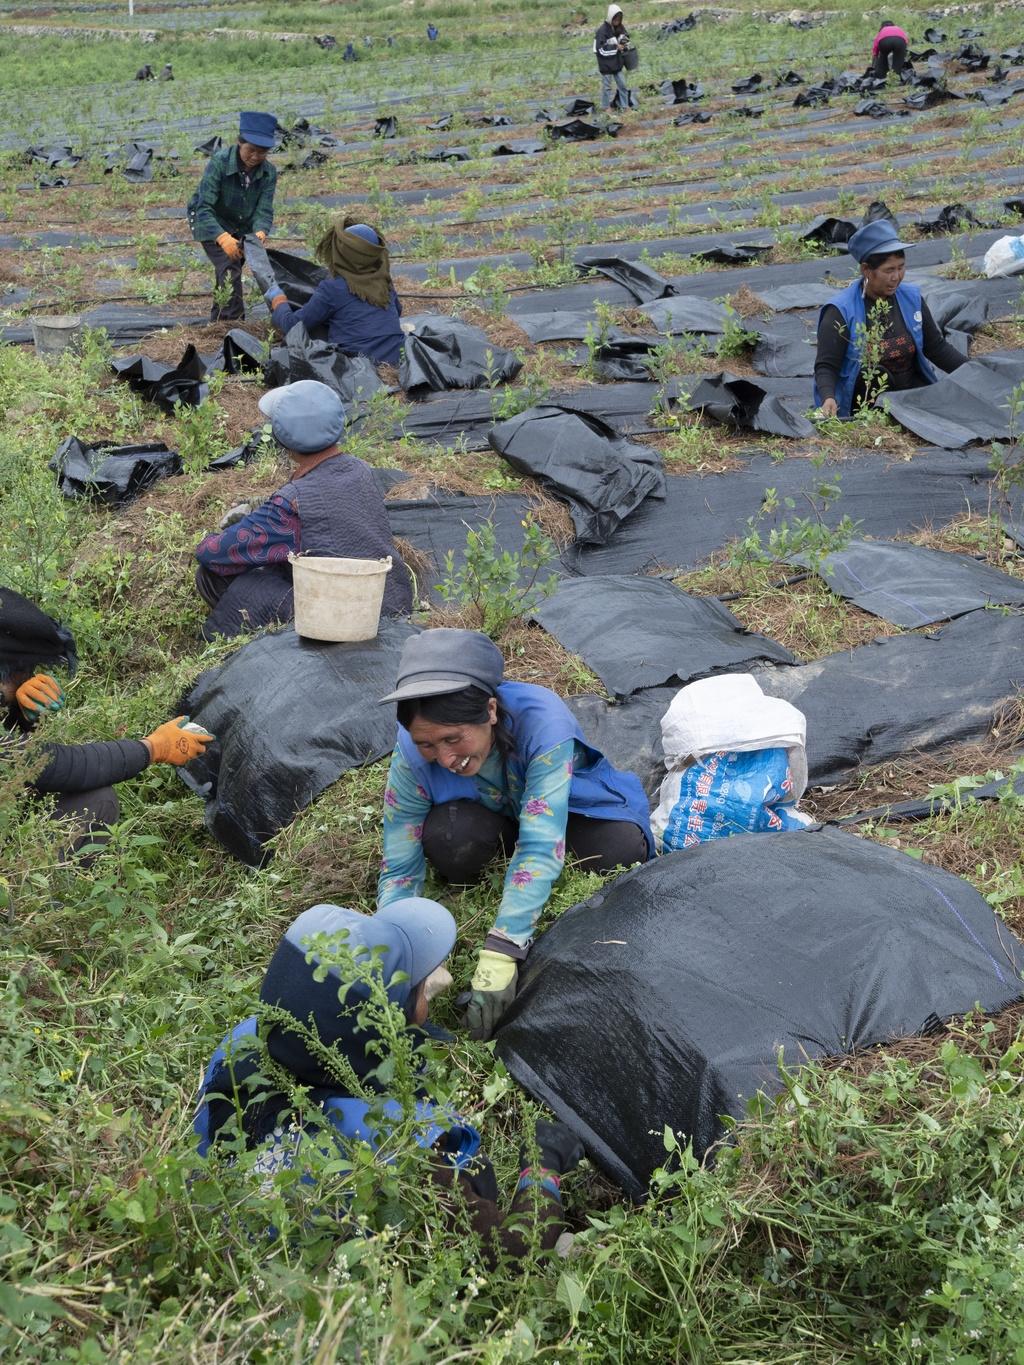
<point x="170" y="743"/>
<point x="260" y="236"/>
<point x="229" y="245"/>
<point x="38" y="694"/>
<point x="492" y="990"/>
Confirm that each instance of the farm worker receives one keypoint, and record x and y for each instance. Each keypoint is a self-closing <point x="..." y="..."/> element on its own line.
<point x="890" y="45"/>
<point x="484" y="766"/>
<point x="911" y="342"/>
<point x="610" y="42"/>
<point x="357" y="302"/>
<point x="235" y="198"/>
<point x="81" y="776"/>
<point x="390" y="962"/>
<point x="432" y="33"/>
<point x="330" y="506"/>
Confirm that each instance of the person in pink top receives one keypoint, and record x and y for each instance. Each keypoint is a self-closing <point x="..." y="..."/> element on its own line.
<point x="890" y="48"/>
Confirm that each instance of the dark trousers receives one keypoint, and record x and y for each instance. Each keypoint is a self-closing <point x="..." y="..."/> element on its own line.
<point x="894" y="48"/>
<point x="245" y="601"/>
<point x="461" y="837"/>
<point x="93" y="812"/>
<point x="226" y="269"/>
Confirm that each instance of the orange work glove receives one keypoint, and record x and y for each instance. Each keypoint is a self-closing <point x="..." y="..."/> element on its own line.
<point x="276" y="299"/>
<point x="261" y="237"/>
<point x="41" y="693"/>
<point x="229" y="246"/>
<point x="170" y="743"/>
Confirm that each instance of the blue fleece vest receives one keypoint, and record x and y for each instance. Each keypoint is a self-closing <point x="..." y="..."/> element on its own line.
<point x="540" y="721"/>
<point x="348" y="1115"/>
<point x="850" y="302"/>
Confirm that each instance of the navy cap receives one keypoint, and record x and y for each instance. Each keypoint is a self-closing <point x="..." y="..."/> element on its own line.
<point x="259" y="129"/>
<point x="306" y="416"/>
<point x="443" y="660"/>
<point x="874" y="239"/>
<point x="364" y="231"/>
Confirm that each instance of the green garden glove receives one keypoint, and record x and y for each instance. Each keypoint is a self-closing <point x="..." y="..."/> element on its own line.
<point x="493" y="990"/>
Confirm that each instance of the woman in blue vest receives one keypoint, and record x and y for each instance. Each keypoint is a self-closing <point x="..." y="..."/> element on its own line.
<point x="911" y="344"/>
<point x="324" y="1008"/>
<point x="482" y="766"/>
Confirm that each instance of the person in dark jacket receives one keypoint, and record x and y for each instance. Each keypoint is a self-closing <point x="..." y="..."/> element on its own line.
<point x="484" y="766"/>
<point x="910" y="342"/>
<point x="330" y="506"/>
<point x="235" y="198"/>
<point x="80" y="777"/>
<point x="358" y="303"/>
<point x="889" y="48"/>
<point x="337" y="1050"/>
<point x="610" y="43"/>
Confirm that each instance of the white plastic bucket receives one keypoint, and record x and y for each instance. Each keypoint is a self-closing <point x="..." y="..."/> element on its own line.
<point x="55" y="334"/>
<point x="338" y="599"/>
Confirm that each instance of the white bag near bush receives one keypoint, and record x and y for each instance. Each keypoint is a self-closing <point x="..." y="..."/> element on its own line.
<point x="709" y="791"/>
<point x="1005" y="257"/>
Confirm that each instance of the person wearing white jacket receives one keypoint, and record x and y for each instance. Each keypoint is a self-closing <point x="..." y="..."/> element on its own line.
<point x="610" y="42"/>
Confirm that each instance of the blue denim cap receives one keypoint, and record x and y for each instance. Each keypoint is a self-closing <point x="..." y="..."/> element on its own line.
<point x="873" y="239"/>
<point x="306" y="416"/>
<point x="443" y="660"/>
<point x="259" y="129"/>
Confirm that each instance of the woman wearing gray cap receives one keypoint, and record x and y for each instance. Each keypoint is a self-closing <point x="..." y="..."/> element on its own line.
<point x="485" y="766"/>
<point x="330" y="506"/>
<point x="910" y="342"/>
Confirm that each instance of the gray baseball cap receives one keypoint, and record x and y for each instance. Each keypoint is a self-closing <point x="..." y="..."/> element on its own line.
<point x="439" y="661"/>
<point x="306" y="416"/>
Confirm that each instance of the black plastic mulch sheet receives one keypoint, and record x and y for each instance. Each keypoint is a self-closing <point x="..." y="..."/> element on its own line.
<point x="440" y="521"/>
<point x="444" y="353"/>
<point x="1002" y="95"/>
<point x="742" y="403"/>
<point x="110" y="473"/>
<point x="832" y="231"/>
<point x="290" y="716"/>
<point x="664" y="1000"/>
<point x="296" y="275"/>
<point x="639" y="632"/>
<point x="927" y="806"/>
<point x="449" y="154"/>
<point x="735" y="253"/>
<point x="643" y="283"/>
<point x="680" y="91"/>
<point x="692" y="116"/>
<point x="385" y="127"/>
<point x="241" y="353"/>
<point x="625" y="356"/>
<point x="58" y="154"/>
<point x="912" y="586"/>
<point x="166" y="385"/>
<point x="602" y="476"/>
<point x="795" y="296"/>
<point x="577" y="106"/>
<point x="747" y="84"/>
<point x="908" y="692"/>
<point x="787" y="346"/>
<point x="682" y="314"/>
<point x="522" y="146"/>
<point x="576" y="130"/>
<point x="747" y="111"/>
<point x="302" y="356"/>
<point x="971" y="404"/>
<point x="243" y="454"/>
<point x="950" y="218"/>
<point x="876" y="109"/>
<point x="815" y="96"/>
<point x="701" y="513"/>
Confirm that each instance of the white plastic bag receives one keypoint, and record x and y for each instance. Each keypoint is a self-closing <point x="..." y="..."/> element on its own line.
<point x="1005" y="257"/>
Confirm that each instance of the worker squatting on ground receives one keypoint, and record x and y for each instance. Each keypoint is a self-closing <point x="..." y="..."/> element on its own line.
<point x="484" y="766"/>
<point x="610" y="44"/>
<point x="81" y="777"/>
<point x="330" y="506"/>
<point x="235" y="198"/>
<point x="888" y="49"/>
<point x="358" y="303"/>
<point x="332" y="981"/>
<point x="909" y="342"/>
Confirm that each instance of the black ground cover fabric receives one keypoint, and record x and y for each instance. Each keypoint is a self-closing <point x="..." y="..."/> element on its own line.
<point x="639" y="632"/>
<point x="108" y="472"/>
<point x="303" y="356"/>
<point x="680" y="91"/>
<point x="290" y="716"/>
<point x="827" y="229"/>
<point x="926" y="806"/>
<point x="692" y="116"/>
<point x="444" y="353"/>
<point x="520" y="146"/>
<point x="701" y="513"/>
<point x="602" y="476"/>
<point x="787" y="346"/>
<point x="165" y="385"/>
<point x="913" y="586"/>
<point x="643" y="283"/>
<point x="663" y="1001"/>
<point x="742" y="403"/>
<point x="439" y="521"/>
<point x="949" y="218"/>
<point x="576" y="130"/>
<point x="683" y="314"/>
<point x="296" y="275"/>
<point x="905" y="693"/>
<point x="971" y="404"/>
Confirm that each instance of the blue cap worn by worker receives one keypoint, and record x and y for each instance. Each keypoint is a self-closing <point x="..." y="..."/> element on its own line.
<point x="257" y="129"/>
<point x="305" y="417"/>
<point x="364" y="231"/>
<point x="875" y="239"/>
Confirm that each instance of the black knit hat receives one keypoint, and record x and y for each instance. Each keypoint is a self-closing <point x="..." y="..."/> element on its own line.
<point x="28" y="637"/>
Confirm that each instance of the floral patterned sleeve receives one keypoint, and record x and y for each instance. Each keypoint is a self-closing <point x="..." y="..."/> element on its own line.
<point x="540" y="849"/>
<point x="406" y="805"/>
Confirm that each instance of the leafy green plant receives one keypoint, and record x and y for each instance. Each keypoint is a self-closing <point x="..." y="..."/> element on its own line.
<point x="808" y="538"/>
<point x="499" y="586"/>
<point x="735" y="339"/>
